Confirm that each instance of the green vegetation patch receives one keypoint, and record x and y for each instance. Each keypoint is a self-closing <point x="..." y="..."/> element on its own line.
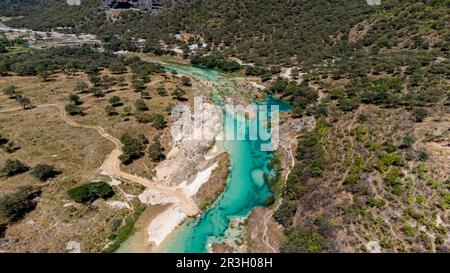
<point x="90" y="192"/>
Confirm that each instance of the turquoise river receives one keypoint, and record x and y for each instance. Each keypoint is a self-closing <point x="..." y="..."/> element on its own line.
<point x="247" y="185"/>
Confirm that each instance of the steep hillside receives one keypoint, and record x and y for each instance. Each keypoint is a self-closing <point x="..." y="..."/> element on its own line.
<point x="373" y="175"/>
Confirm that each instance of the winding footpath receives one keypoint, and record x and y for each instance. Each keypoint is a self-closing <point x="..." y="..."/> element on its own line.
<point x="111" y="165"/>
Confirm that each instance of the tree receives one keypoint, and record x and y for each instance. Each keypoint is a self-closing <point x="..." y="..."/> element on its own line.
<point x="13" y="167"/>
<point x="13" y="207"/>
<point x="3" y="140"/>
<point x="143" y="117"/>
<point x="88" y="193"/>
<point x="44" y="171"/>
<point x="118" y="68"/>
<point x="26" y="103"/>
<point x="140" y="105"/>
<point x="42" y="72"/>
<point x="138" y="85"/>
<point x="3" y="48"/>
<point x="10" y="91"/>
<point x="95" y="80"/>
<point x="133" y="148"/>
<point x="420" y="114"/>
<point x="158" y="121"/>
<point x="285" y="213"/>
<point x="121" y="82"/>
<point x="73" y="109"/>
<point x="97" y="92"/>
<point x="75" y="99"/>
<point x="186" y="81"/>
<point x="145" y="95"/>
<point x="155" y="151"/>
<point x="178" y="94"/>
<point x="107" y="83"/>
<point x="408" y="141"/>
<point x="294" y="73"/>
<point x="115" y="101"/>
<point x="81" y="87"/>
<point x="161" y="91"/>
<point x="303" y="240"/>
<point x="127" y="111"/>
<point x="110" y="111"/>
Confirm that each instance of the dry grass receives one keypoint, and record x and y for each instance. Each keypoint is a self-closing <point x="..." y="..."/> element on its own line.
<point x="77" y="152"/>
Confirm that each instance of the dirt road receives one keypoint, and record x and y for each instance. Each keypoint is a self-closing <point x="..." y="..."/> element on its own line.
<point x="111" y="165"/>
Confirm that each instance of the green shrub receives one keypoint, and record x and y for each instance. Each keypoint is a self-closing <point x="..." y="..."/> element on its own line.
<point x="376" y="202"/>
<point x="352" y="179"/>
<point x="115" y="101"/>
<point x="158" y="121"/>
<point x="408" y="141"/>
<point x="90" y="192"/>
<point x="140" y="105"/>
<point x="13" y="167"/>
<point x="73" y="109"/>
<point x="420" y="114"/>
<point x="408" y="230"/>
<point x="155" y="151"/>
<point x="44" y="172"/>
<point x="133" y="148"/>
<point x="302" y="240"/>
<point x="14" y="206"/>
<point x="285" y="212"/>
<point x="186" y="81"/>
<point x="110" y="111"/>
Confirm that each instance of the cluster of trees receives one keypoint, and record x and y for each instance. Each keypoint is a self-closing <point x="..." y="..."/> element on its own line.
<point x="48" y="14"/>
<point x="12" y="93"/>
<point x="178" y="94"/>
<point x="41" y="171"/>
<point x="156" y="151"/>
<point x="142" y="70"/>
<point x="6" y="45"/>
<point x="378" y="79"/>
<point x="303" y="240"/>
<point x="13" y="167"/>
<point x="263" y="32"/>
<point x="73" y="107"/>
<point x="133" y="147"/>
<point x="269" y="35"/>
<point x="264" y="73"/>
<point x="157" y="120"/>
<point x="114" y="102"/>
<point x="301" y="96"/>
<point x="70" y="59"/>
<point x="8" y="145"/>
<point x="88" y="193"/>
<point x="62" y="58"/>
<point x="218" y="62"/>
<point x="14" y="206"/>
<point x="311" y="163"/>
<point x="316" y="235"/>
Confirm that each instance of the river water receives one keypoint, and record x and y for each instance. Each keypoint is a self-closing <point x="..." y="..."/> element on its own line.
<point x="247" y="185"/>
